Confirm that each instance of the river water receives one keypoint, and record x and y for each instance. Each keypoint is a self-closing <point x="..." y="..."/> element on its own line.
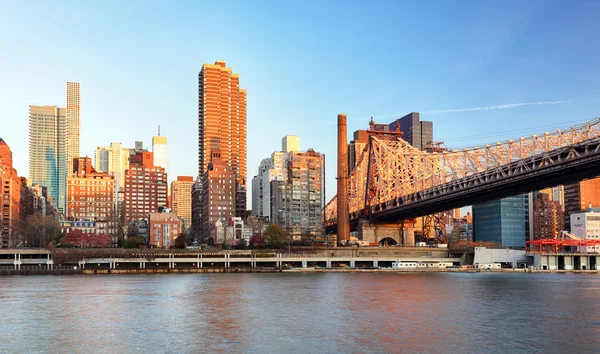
<point x="301" y="313"/>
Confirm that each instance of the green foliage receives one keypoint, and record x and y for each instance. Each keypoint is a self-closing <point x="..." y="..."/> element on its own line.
<point x="241" y="245"/>
<point x="274" y="235"/>
<point x="58" y="237"/>
<point x="133" y="242"/>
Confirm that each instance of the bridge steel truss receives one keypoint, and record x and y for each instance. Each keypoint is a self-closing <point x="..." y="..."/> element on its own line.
<point x="393" y="180"/>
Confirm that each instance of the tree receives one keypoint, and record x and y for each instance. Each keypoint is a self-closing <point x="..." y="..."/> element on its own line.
<point x="241" y="245"/>
<point x="120" y="236"/>
<point x="98" y="240"/>
<point x="77" y="238"/>
<point x="58" y="237"/>
<point x="39" y="230"/>
<point x="180" y="241"/>
<point x="274" y="235"/>
<point x="257" y="241"/>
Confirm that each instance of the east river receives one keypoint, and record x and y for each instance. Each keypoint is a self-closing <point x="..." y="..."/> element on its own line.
<point x="301" y="313"/>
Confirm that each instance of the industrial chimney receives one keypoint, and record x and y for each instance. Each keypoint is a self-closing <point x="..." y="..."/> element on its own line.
<point x="343" y="217"/>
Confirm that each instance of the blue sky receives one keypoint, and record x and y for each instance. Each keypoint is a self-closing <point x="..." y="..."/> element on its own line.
<point x="302" y="63"/>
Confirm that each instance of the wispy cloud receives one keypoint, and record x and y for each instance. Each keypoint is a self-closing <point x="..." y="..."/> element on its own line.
<point x="494" y="108"/>
<point x="484" y="108"/>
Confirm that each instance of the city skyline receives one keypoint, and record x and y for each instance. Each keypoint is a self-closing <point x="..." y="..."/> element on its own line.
<point x="503" y="75"/>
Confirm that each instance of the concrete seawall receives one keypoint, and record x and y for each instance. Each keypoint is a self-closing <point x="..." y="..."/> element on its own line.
<point x="276" y="270"/>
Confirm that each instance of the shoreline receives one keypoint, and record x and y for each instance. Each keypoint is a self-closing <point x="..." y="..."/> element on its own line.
<point x="275" y="270"/>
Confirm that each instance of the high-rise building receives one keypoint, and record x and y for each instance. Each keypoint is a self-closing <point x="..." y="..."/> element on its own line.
<point x="218" y="195"/>
<point x="181" y="199"/>
<point x="290" y="143"/>
<point x="356" y="147"/>
<point x="580" y="197"/>
<point x="298" y="203"/>
<point x="101" y="159"/>
<point x="503" y="221"/>
<point x="114" y="160"/>
<point x="270" y="169"/>
<point x="48" y="151"/>
<point x="159" y="148"/>
<point x="72" y="124"/>
<point x="196" y="229"/>
<point x="89" y="193"/>
<point x="558" y="195"/>
<point x="548" y="219"/>
<point x="145" y="187"/>
<point x="416" y="132"/>
<point x="289" y="190"/>
<point x="222" y="125"/>
<point x="5" y="154"/>
<point x="10" y="196"/>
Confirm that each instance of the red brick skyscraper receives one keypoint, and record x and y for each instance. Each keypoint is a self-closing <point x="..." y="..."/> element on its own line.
<point x="222" y="124"/>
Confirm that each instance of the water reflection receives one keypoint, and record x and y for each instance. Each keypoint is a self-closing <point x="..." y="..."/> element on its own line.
<point x="330" y="312"/>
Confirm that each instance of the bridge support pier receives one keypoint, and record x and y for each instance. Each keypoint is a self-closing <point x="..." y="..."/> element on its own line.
<point x="328" y="263"/>
<point x="304" y="264"/>
<point x="352" y="264"/>
<point x="375" y="264"/>
<point x="402" y="233"/>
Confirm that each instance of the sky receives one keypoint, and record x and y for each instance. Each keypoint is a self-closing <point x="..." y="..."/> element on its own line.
<point x="482" y="71"/>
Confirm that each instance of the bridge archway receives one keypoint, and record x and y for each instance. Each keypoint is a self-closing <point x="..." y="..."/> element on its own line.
<point x="387" y="241"/>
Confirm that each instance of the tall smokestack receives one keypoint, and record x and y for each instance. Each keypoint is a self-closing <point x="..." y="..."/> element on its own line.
<point x="343" y="219"/>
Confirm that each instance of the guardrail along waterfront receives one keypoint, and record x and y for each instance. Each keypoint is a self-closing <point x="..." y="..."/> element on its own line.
<point x="209" y="260"/>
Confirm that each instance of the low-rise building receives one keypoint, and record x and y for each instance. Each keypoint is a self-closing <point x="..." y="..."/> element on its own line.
<point x="86" y="226"/>
<point x="163" y="229"/>
<point x="586" y="225"/>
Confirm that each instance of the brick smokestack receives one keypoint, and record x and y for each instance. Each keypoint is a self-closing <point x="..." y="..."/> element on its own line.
<point x="343" y="219"/>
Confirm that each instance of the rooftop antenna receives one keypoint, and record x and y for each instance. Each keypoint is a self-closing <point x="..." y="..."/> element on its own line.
<point x="159" y="130"/>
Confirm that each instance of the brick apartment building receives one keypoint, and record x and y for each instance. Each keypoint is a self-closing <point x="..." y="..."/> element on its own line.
<point x="90" y="194"/>
<point x="218" y="195"/>
<point x="164" y="228"/>
<point x="145" y="187"/>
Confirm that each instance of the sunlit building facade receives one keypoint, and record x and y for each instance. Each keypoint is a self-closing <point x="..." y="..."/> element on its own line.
<point x="145" y="187"/>
<point x="222" y="125"/>
<point x="580" y="197"/>
<point x="48" y="151"/>
<point x="159" y="148"/>
<point x="72" y="123"/>
<point x="181" y="199"/>
<point x="89" y="193"/>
